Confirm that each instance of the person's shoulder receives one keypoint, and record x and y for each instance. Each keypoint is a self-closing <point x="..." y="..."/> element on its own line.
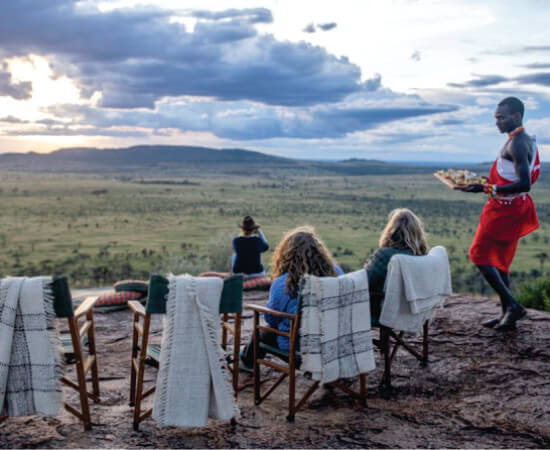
<point x="338" y="270"/>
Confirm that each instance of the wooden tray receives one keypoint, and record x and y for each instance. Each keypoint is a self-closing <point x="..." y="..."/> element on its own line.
<point x="451" y="183"/>
<point x="446" y="181"/>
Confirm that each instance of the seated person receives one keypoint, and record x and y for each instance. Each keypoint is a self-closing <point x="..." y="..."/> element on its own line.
<point x="247" y="247"/>
<point x="403" y="234"/>
<point x="300" y="252"/>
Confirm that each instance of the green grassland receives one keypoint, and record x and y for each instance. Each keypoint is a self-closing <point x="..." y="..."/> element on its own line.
<point x="98" y="229"/>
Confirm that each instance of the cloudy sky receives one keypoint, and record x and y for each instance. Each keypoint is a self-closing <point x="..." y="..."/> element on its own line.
<point x="385" y="79"/>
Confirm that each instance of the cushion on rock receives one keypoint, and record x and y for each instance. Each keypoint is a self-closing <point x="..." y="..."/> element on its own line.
<point x="117" y="298"/>
<point x="256" y="282"/>
<point x="132" y="286"/>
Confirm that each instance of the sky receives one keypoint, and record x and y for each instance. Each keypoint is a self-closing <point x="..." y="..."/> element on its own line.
<point x="394" y="80"/>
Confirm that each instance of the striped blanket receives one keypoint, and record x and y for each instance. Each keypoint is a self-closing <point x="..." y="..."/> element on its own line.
<point x="260" y="282"/>
<point x="335" y="331"/>
<point x="30" y="350"/>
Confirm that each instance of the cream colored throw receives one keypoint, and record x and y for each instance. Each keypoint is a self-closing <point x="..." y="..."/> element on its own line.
<point x="335" y="332"/>
<point x="192" y="383"/>
<point x="30" y="350"/>
<point x="415" y="285"/>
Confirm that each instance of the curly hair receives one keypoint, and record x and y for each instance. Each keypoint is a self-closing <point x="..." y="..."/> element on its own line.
<point x="301" y="252"/>
<point x="404" y="230"/>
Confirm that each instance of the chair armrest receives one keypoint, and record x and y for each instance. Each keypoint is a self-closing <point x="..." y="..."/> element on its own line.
<point x="137" y="307"/>
<point x="271" y="312"/>
<point x="85" y="306"/>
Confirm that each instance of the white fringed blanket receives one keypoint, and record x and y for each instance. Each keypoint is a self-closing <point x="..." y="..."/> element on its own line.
<point x="30" y="350"/>
<point x="335" y="332"/>
<point x="192" y="383"/>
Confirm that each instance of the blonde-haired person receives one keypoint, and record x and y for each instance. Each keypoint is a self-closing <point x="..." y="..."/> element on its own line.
<point x="300" y="252"/>
<point x="403" y="234"/>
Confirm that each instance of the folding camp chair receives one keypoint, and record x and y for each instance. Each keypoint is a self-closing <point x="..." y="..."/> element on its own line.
<point x="64" y="309"/>
<point x="143" y="352"/>
<point x="389" y="342"/>
<point x="292" y="360"/>
<point x="397" y="316"/>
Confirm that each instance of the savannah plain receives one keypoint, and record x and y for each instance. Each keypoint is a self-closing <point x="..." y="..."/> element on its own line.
<point x="101" y="228"/>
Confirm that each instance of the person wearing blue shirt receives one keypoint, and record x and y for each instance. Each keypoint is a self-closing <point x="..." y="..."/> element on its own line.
<point x="300" y="252"/>
<point x="248" y="248"/>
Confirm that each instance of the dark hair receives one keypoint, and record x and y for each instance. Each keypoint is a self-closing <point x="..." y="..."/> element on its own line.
<point x="514" y="104"/>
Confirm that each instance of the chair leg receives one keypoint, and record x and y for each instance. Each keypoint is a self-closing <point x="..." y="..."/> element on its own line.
<point x="92" y="351"/>
<point x="385" y="346"/>
<point x="291" y="391"/>
<point x="141" y="372"/>
<point x="83" y="393"/>
<point x="363" y="388"/>
<point x="256" y="370"/>
<point x="133" y="374"/>
<point x="236" y="353"/>
<point x="425" y="345"/>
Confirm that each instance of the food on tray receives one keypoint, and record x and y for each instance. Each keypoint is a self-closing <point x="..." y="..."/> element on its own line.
<point x="460" y="177"/>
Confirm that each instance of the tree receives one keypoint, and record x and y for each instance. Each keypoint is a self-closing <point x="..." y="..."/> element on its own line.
<point x="542" y="257"/>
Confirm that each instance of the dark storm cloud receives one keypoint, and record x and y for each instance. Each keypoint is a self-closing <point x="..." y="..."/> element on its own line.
<point x="327" y="26"/>
<point x="540" y="78"/>
<point x="537" y="66"/>
<point x="480" y="81"/>
<point x="253" y="15"/>
<point x="138" y="56"/>
<point x="246" y="121"/>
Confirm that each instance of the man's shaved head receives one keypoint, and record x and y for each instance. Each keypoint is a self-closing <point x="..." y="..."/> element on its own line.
<point x="514" y="104"/>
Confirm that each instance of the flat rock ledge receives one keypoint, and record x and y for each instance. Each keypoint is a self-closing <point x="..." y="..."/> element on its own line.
<point x="481" y="389"/>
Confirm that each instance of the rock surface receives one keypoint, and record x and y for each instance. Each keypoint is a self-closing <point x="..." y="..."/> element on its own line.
<point x="481" y="389"/>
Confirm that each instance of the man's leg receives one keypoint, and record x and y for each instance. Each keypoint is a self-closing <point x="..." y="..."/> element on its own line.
<point x="511" y="309"/>
<point x="247" y="355"/>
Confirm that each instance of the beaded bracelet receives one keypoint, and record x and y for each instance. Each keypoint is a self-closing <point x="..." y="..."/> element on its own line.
<point x="490" y="189"/>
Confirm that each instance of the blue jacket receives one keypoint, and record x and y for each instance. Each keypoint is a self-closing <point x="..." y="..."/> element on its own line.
<point x="248" y="250"/>
<point x="280" y="300"/>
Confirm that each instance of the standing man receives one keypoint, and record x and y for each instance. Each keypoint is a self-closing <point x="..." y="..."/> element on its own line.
<point x="509" y="212"/>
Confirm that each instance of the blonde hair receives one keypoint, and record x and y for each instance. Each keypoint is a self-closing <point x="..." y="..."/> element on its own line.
<point x="301" y="252"/>
<point x="404" y="230"/>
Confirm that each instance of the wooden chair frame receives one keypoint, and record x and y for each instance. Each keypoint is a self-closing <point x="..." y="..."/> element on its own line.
<point x="292" y="365"/>
<point x="389" y="343"/>
<point x="233" y="361"/>
<point x="64" y="309"/>
<point x="158" y="289"/>
<point x="83" y="365"/>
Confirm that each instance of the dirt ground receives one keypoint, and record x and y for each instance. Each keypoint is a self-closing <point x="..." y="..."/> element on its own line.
<point x="482" y="388"/>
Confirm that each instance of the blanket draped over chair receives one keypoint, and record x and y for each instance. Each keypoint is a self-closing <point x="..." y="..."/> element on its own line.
<point x="30" y="350"/>
<point x="415" y="285"/>
<point x="192" y="382"/>
<point x="335" y="332"/>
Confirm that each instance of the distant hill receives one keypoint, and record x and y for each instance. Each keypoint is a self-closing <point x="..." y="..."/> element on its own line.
<point x="187" y="160"/>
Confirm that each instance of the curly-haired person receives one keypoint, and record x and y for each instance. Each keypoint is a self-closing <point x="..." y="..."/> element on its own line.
<point x="300" y="252"/>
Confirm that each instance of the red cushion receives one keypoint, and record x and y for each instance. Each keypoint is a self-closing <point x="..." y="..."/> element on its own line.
<point x="117" y="298"/>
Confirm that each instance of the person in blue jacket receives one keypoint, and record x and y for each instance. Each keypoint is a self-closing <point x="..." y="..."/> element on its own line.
<point x="248" y="248"/>
<point x="300" y="252"/>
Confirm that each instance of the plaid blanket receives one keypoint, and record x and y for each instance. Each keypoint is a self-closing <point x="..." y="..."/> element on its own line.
<point x="335" y="332"/>
<point x="30" y="356"/>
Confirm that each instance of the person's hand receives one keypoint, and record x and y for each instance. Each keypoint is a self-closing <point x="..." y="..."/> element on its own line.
<point x="476" y="187"/>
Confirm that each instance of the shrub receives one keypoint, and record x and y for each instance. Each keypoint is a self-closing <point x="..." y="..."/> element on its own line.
<point x="219" y="250"/>
<point x="535" y="294"/>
